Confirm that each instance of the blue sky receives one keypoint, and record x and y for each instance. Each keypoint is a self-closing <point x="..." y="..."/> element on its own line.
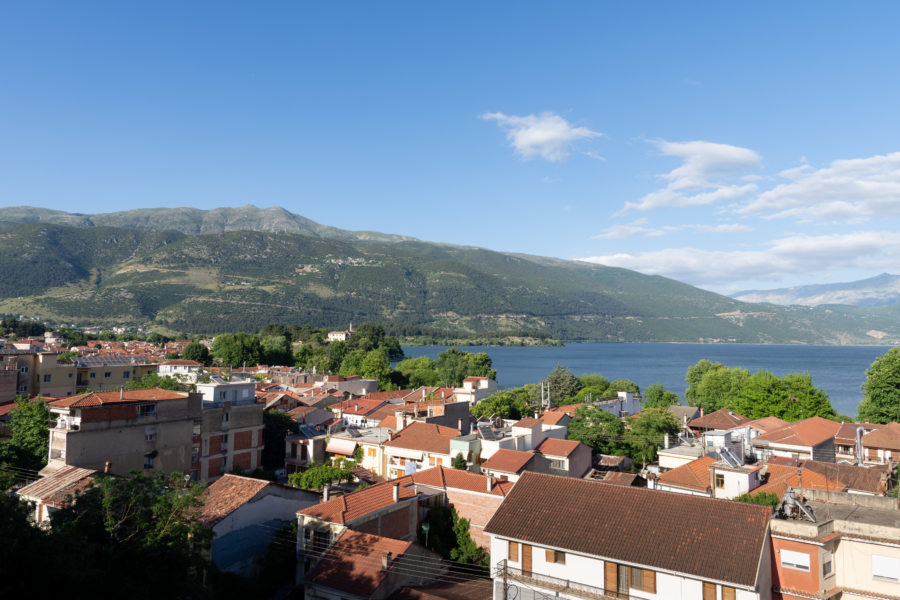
<point x="728" y="146"/>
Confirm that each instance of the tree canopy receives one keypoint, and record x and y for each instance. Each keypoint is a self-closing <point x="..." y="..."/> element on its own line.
<point x="507" y="404"/>
<point x="28" y="446"/>
<point x="563" y="386"/>
<point x="658" y="396"/>
<point x="198" y="352"/>
<point x="881" y="390"/>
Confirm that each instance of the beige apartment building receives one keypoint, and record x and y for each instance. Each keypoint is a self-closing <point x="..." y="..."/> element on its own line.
<point x="37" y="373"/>
<point x="102" y="373"/>
<point x="230" y="433"/>
<point x="129" y="429"/>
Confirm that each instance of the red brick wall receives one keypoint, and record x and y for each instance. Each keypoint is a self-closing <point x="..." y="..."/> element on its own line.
<point x="242" y="460"/>
<point x="215" y="444"/>
<point x="396" y="524"/>
<point x="243" y="440"/>
<point x="478" y="509"/>
<point x="215" y="467"/>
<point x="369" y="527"/>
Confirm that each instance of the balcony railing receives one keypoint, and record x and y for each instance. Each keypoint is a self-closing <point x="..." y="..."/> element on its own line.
<point x="554" y="585"/>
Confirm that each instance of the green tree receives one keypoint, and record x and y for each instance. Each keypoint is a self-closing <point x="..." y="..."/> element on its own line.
<point x="658" y="396"/>
<point x="235" y="350"/>
<point x="599" y="429"/>
<point x="419" y="371"/>
<point x="198" y="352"/>
<point x="594" y="380"/>
<point x="881" y="390"/>
<point x="720" y="387"/>
<point x="507" y="404"/>
<point x="646" y="432"/>
<point x="459" y="462"/>
<point x="693" y="377"/>
<point x="453" y="365"/>
<point x="317" y="476"/>
<point x="155" y="380"/>
<point x="352" y="363"/>
<point x="466" y="551"/>
<point x="623" y="385"/>
<point x="376" y="364"/>
<point x="277" y="425"/>
<point x="563" y="386"/>
<point x="765" y="498"/>
<point x="28" y="446"/>
<point x="275" y="350"/>
<point x="791" y="397"/>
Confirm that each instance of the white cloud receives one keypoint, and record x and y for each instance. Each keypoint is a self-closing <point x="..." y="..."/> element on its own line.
<point x="595" y="156"/>
<point x="857" y="189"/>
<point x="546" y="135"/>
<point x="702" y="178"/>
<point x="635" y="229"/>
<point x="792" y="255"/>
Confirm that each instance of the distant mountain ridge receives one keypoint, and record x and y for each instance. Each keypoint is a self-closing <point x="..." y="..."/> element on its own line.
<point x="158" y="267"/>
<point x="881" y="290"/>
<point x="195" y="221"/>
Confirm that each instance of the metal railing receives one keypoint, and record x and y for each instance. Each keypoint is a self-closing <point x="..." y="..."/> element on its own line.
<point x="555" y="584"/>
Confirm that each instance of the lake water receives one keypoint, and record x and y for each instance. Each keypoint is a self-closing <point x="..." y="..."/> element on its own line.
<point x="839" y="370"/>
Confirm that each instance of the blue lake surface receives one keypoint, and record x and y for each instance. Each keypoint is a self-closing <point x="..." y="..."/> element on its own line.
<point x="839" y="370"/>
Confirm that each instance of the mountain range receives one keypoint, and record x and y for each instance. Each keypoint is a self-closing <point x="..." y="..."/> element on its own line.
<point x="237" y="269"/>
<point x="881" y="290"/>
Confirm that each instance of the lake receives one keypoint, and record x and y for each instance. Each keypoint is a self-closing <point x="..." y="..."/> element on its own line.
<point x="839" y="370"/>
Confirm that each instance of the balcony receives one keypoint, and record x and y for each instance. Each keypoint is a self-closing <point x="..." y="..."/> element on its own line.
<point x="562" y="587"/>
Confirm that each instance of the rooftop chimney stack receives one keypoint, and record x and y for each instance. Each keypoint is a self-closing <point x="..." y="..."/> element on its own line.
<point x="396" y="493"/>
<point x="326" y="489"/>
<point x="490" y="484"/>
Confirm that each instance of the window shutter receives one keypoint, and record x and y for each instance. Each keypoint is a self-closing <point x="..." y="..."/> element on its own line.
<point x="650" y="582"/>
<point x="513" y="551"/>
<point x="727" y="593"/>
<point x="551" y="556"/>
<point x="709" y="591"/>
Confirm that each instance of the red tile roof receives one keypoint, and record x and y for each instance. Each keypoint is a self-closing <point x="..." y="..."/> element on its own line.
<point x="766" y="424"/>
<point x="353" y="564"/>
<point x="527" y="422"/>
<point x="666" y="531"/>
<point x="425" y="437"/>
<point x="508" y="461"/>
<point x="569" y="409"/>
<point x="388" y="395"/>
<point x="458" y="479"/>
<point x="118" y="397"/>
<point x="779" y="477"/>
<point x="552" y="417"/>
<point x="226" y="495"/>
<point x="867" y="479"/>
<point x="350" y="507"/>
<point x="360" y="406"/>
<point x="181" y="362"/>
<point x="554" y="447"/>
<point x="846" y="433"/>
<point x="887" y="438"/>
<point x="808" y="432"/>
<point x="694" y="475"/>
<point x="720" y="419"/>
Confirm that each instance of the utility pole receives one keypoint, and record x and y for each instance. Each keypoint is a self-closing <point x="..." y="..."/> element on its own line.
<point x="505" y="586"/>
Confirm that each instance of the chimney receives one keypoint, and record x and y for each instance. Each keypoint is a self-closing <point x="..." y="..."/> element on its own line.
<point x="385" y="561"/>
<point x="107" y="468"/>
<point x="396" y="493"/>
<point x="459" y="425"/>
<point x="859" y="446"/>
<point x="490" y="483"/>
<point x="701" y="412"/>
<point x="122" y="393"/>
<point x="666" y="441"/>
<point x="326" y="489"/>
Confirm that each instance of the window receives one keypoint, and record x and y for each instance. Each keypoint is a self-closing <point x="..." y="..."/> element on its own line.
<point x="70" y="376"/>
<point x="149" y="437"/>
<point x="47" y="378"/>
<point x="23" y="369"/>
<point x="225" y="417"/>
<point x="371" y="451"/>
<point x="886" y="568"/>
<point x="794" y="560"/>
<point x="93" y="375"/>
<point x="643" y="579"/>
<point x="720" y="481"/>
<point x="146" y="410"/>
<point x="827" y="567"/>
<point x="555" y="556"/>
<point x="513" y="552"/>
<point x="108" y="374"/>
<point x="126" y="374"/>
<point x="148" y="462"/>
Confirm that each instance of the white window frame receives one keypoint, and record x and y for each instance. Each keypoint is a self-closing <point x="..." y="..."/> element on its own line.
<point x="797" y="561"/>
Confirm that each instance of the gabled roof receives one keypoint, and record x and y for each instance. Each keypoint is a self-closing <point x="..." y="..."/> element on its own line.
<point x="360" y="406"/>
<point x="667" y="531"/>
<point x="350" y="507"/>
<point x="457" y="479"/>
<point x="527" y="422"/>
<point x="683" y="413"/>
<point x="555" y="447"/>
<point x="552" y="417"/>
<point x="181" y="362"/>
<point x="846" y="433"/>
<point x="508" y="461"/>
<point x="693" y="475"/>
<point x="353" y="563"/>
<point x="387" y="395"/>
<point x="425" y="437"/>
<point x="720" y="419"/>
<point x="226" y="495"/>
<point x="118" y="397"/>
<point x="569" y="409"/>
<point x="808" y="432"/>
<point x="765" y="424"/>
<point x="887" y="438"/>
<point x="59" y="488"/>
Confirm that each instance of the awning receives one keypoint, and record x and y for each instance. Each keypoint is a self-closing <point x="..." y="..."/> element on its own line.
<point x="339" y="446"/>
<point x="403" y="452"/>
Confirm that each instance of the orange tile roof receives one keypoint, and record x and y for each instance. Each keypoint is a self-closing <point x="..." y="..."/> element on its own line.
<point x="508" y="461"/>
<point x="846" y="433"/>
<point x="353" y="564"/>
<point x="694" y="475"/>
<point x="552" y="417"/>
<point x="389" y="422"/>
<point x="226" y="495"/>
<point x="808" y="432"/>
<point x="779" y="477"/>
<point x="425" y="437"/>
<point x="350" y="507"/>
<point x="387" y="395"/>
<point x="887" y="438"/>
<point x="555" y="447"/>
<point x="458" y="479"/>
<point x="569" y="409"/>
<point x="527" y="422"/>
<point x="720" y="419"/>
<point x="118" y="397"/>
<point x="360" y="406"/>
<point x="766" y="424"/>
